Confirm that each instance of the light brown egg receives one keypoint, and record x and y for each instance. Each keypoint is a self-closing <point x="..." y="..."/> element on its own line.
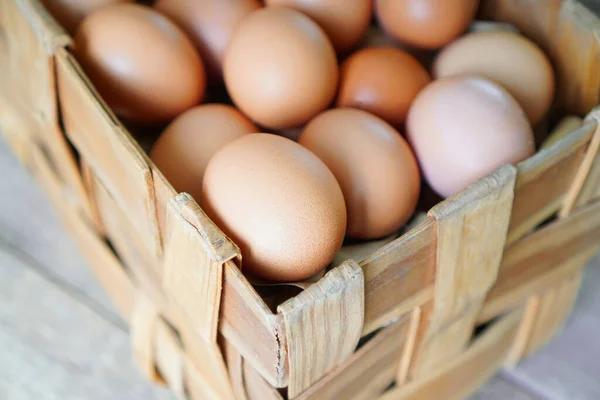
<point x="344" y="21"/>
<point x="507" y="58"/>
<point x="426" y="24"/>
<point x="210" y="25"/>
<point x="142" y="64"/>
<point x="463" y="128"/>
<point x="184" y="149"/>
<point x="69" y="13"/>
<point x="279" y="203"/>
<point x="383" y="81"/>
<point x="374" y="165"/>
<point x="280" y="68"/>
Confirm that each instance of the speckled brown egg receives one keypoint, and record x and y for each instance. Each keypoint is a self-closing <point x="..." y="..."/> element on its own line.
<point x="508" y="59"/>
<point x="279" y="203"/>
<point x="383" y="81"/>
<point x="374" y="165"/>
<point x="142" y="64"/>
<point x="280" y="68"/>
<point x="184" y="149"/>
<point x="344" y="21"/>
<point x="426" y="24"/>
<point x="210" y="25"/>
<point x="70" y="13"/>
<point x="463" y="128"/>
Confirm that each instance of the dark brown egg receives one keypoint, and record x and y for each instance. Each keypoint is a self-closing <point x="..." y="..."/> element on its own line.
<point x="383" y="81"/>
<point x="142" y="64"/>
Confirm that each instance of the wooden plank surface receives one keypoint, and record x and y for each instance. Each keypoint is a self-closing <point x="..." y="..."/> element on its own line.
<point x="55" y="346"/>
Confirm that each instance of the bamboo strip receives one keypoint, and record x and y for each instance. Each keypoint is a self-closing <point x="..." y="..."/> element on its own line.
<point x="544" y="179"/>
<point x="252" y="328"/>
<point x="586" y="184"/>
<point x="323" y="325"/>
<point x="471" y="230"/>
<point x="369" y="371"/>
<point x="112" y="153"/>
<point x="195" y="252"/>
<point x="169" y="358"/>
<point x="142" y="328"/>
<point x="234" y="363"/>
<point x="399" y="276"/>
<point x="105" y="266"/>
<point x="529" y="265"/>
<point x="256" y="387"/>
<point x="465" y="373"/>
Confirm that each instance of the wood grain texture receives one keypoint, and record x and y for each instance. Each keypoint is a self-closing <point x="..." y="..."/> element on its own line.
<point x="541" y="259"/>
<point x="106" y="267"/>
<point x="56" y="347"/>
<point x="142" y="330"/>
<point x="252" y="328"/>
<point x="544" y="180"/>
<point x="323" y="325"/>
<point x="464" y="374"/>
<point x="471" y="231"/>
<point x="22" y="200"/>
<point x="235" y="368"/>
<point x="586" y="184"/>
<point x="567" y="368"/>
<point x="195" y="252"/>
<point x="256" y="386"/>
<point x="369" y="371"/>
<point x="114" y="156"/>
<point x="399" y="276"/>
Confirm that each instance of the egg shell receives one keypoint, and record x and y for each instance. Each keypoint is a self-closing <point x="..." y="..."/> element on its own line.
<point x="426" y="24"/>
<point x="344" y="21"/>
<point x="383" y="81"/>
<point x="374" y="166"/>
<point x="70" y="13"/>
<point x="463" y="128"/>
<point x="184" y="149"/>
<point x="142" y="64"/>
<point x="280" y="68"/>
<point x="279" y="203"/>
<point x="210" y="25"/>
<point x="508" y="59"/>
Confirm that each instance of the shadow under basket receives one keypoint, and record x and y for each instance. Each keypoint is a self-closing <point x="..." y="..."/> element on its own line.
<point x="485" y="280"/>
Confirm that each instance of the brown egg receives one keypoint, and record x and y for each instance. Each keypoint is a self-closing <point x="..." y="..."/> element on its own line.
<point x="210" y="25"/>
<point x="184" y="149"/>
<point x="383" y="81"/>
<point x="508" y="59"/>
<point x="463" y="128"/>
<point x="374" y="165"/>
<point x="142" y="64"/>
<point x="279" y="203"/>
<point x="427" y="24"/>
<point x="69" y="13"/>
<point x="280" y="68"/>
<point x="344" y="21"/>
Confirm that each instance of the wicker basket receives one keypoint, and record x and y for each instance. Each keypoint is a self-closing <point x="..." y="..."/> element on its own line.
<point x="486" y="279"/>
